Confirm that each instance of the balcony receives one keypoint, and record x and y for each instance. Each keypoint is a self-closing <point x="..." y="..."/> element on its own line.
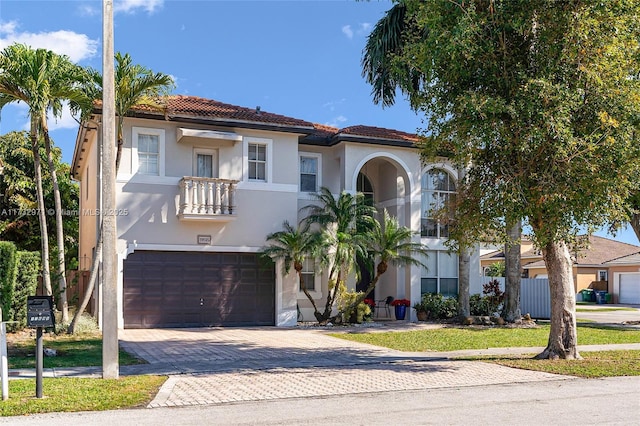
<point x="207" y="199"/>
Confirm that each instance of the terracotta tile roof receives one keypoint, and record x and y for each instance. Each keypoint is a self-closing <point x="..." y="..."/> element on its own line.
<point x="324" y="131"/>
<point x="380" y="133"/>
<point x="192" y="106"/>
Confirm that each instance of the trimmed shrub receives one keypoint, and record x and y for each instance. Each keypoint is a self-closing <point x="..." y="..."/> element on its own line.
<point x="25" y="283"/>
<point x="7" y="272"/>
<point x="438" y="307"/>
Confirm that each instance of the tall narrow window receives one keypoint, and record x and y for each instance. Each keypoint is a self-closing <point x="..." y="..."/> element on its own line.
<point x="363" y="185"/>
<point x="204" y="165"/>
<point x="257" y="162"/>
<point x="148" y="154"/>
<point x="308" y="275"/>
<point x="308" y="174"/>
<point x="438" y="194"/>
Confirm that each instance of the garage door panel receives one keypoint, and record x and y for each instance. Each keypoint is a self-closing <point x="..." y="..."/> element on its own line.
<point x="183" y="289"/>
<point x="629" y="292"/>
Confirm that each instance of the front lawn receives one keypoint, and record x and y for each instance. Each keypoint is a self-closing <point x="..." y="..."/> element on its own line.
<point x="460" y="338"/>
<point x="593" y="364"/>
<point x="79" y="394"/>
<point x="81" y="350"/>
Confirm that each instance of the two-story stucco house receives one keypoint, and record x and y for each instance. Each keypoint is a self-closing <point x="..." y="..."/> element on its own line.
<point x="203" y="183"/>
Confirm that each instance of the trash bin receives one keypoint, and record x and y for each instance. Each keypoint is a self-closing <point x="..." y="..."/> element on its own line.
<point x="607" y="297"/>
<point x="601" y="297"/>
<point x="588" y="295"/>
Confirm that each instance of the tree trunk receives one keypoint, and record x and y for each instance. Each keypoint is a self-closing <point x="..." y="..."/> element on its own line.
<point x="464" y="258"/>
<point x="90" y="286"/>
<point x="563" y="336"/>
<point x="62" y="278"/>
<point x="511" y="310"/>
<point x="42" y="218"/>
<point x="635" y="224"/>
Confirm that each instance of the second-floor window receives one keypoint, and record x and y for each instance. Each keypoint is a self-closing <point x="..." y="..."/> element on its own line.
<point x="257" y="162"/>
<point x="308" y="174"/>
<point x="438" y="194"/>
<point x="148" y="154"/>
<point x="147" y="151"/>
<point x="204" y="165"/>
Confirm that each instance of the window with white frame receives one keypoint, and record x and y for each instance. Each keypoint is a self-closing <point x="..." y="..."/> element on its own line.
<point x="603" y="275"/>
<point x="440" y="273"/>
<point x="438" y="193"/>
<point x="148" y="147"/>
<point x="308" y="275"/>
<point x="257" y="161"/>
<point x="205" y="163"/>
<point x="309" y="172"/>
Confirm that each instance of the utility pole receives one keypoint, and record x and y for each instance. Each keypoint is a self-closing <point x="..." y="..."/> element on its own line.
<point x="110" y="368"/>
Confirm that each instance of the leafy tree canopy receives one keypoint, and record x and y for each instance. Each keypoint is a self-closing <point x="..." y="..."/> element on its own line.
<point x="541" y="98"/>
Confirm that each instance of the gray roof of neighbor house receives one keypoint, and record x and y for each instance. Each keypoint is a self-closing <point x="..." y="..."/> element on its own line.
<point x="596" y="251"/>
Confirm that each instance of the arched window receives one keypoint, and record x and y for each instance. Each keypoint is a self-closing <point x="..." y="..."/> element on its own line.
<point x="438" y="192"/>
<point x="363" y="184"/>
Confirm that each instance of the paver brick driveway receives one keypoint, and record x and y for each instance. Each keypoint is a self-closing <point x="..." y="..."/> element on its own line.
<point x="219" y="365"/>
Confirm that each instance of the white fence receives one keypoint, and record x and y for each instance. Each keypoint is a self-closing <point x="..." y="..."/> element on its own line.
<point x="535" y="298"/>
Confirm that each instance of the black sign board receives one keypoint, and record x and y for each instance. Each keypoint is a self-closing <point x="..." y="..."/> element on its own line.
<point x="40" y="311"/>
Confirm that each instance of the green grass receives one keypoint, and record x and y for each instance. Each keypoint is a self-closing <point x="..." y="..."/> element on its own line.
<point x="72" y="351"/>
<point x="459" y="338"/>
<point x="76" y="394"/>
<point x="593" y="364"/>
<point x="604" y="309"/>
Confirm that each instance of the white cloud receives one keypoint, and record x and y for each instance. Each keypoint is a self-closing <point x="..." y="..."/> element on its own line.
<point x="66" y="121"/>
<point x="331" y="105"/>
<point x="89" y="10"/>
<point x="130" y="6"/>
<point x="337" y="121"/>
<point x="362" y="29"/>
<point x="76" y="46"/>
<point x="347" y="31"/>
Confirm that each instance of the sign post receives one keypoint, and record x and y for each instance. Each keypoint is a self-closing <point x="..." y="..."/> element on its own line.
<point x="40" y="315"/>
<point x="5" y="360"/>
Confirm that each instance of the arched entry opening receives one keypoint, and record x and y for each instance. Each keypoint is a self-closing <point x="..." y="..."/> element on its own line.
<point x="385" y="181"/>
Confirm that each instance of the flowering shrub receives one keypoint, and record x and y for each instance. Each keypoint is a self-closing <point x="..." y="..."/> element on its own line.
<point x="401" y="302"/>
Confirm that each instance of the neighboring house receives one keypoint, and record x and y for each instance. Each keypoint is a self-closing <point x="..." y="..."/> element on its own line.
<point x="202" y="183"/>
<point x="600" y="264"/>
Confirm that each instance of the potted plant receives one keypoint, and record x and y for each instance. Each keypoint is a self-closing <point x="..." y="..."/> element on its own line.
<point x="400" y="306"/>
<point x="421" y="311"/>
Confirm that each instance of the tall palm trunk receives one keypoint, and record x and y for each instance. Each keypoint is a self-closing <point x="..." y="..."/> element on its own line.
<point x="42" y="218"/>
<point x="511" y="311"/>
<point x="62" y="279"/>
<point x="97" y="257"/>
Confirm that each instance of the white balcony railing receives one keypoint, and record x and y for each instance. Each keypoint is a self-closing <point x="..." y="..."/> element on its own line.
<point x="207" y="198"/>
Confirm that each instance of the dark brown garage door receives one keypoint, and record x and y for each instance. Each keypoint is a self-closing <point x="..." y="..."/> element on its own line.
<point x="187" y="289"/>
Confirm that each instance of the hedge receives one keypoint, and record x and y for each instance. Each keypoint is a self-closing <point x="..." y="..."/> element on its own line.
<point x="25" y="283"/>
<point x="7" y="272"/>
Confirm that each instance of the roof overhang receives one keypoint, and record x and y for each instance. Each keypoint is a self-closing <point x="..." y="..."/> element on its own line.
<point x="215" y="137"/>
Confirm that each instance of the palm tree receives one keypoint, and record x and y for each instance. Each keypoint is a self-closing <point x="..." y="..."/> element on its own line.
<point x="345" y="222"/>
<point x="41" y="79"/>
<point x="135" y="85"/>
<point x="387" y="40"/>
<point x="390" y="244"/>
<point x="293" y="246"/>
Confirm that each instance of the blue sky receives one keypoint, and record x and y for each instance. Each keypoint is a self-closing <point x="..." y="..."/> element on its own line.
<point x="296" y="58"/>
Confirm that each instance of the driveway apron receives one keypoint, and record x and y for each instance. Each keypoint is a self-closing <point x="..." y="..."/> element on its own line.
<point x="220" y="365"/>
